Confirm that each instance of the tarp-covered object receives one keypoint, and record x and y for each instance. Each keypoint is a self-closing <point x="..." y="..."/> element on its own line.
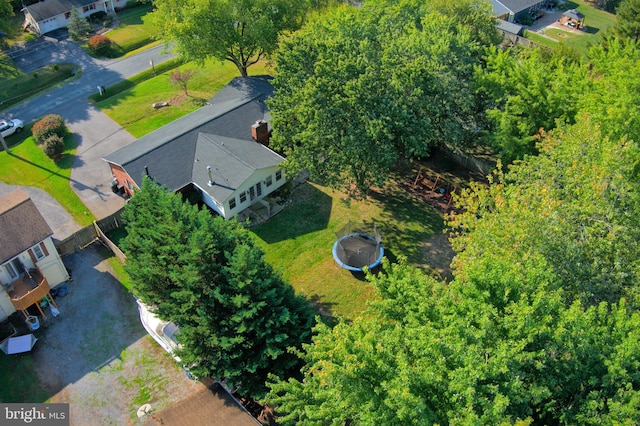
<point x="19" y="344"/>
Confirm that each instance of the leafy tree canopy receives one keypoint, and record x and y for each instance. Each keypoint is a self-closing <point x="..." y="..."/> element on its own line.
<point x="240" y="31"/>
<point x="525" y="91"/>
<point x="628" y="22"/>
<point x="6" y="12"/>
<point x="571" y="211"/>
<point x="238" y="319"/>
<point x="429" y="353"/>
<point x="361" y="88"/>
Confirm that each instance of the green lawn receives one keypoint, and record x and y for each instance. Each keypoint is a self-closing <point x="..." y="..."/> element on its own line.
<point x="21" y="383"/>
<point x="298" y="241"/>
<point x="598" y="23"/>
<point x="27" y="165"/>
<point x="16" y="86"/>
<point x="132" y="32"/>
<point x="132" y="108"/>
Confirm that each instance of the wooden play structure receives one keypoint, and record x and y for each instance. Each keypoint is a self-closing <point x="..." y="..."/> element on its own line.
<point x="435" y="186"/>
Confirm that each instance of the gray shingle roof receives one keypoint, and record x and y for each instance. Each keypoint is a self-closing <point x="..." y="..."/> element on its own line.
<point x="509" y="27"/>
<point x="232" y="162"/>
<point x="573" y="14"/>
<point x="216" y="135"/>
<point x="50" y="8"/>
<point x="21" y="225"/>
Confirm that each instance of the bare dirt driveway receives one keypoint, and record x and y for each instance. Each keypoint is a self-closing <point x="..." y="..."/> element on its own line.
<point x="97" y="357"/>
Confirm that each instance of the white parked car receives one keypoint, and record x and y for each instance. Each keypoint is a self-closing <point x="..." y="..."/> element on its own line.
<point x="163" y="332"/>
<point x="10" y="126"/>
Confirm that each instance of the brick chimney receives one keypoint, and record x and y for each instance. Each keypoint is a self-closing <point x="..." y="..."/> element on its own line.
<point x="260" y="132"/>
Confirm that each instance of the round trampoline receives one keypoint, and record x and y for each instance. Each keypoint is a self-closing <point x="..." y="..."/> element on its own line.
<point x="355" y="251"/>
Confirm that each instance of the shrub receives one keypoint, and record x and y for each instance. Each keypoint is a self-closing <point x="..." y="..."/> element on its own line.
<point x="48" y="125"/>
<point x="30" y="37"/>
<point x="97" y="16"/>
<point x="99" y="44"/>
<point x="53" y="146"/>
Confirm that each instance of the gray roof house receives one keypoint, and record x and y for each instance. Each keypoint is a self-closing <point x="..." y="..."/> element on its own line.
<point x="50" y="15"/>
<point x="29" y="262"/>
<point x="221" y="150"/>
<point x="515" y="10"/>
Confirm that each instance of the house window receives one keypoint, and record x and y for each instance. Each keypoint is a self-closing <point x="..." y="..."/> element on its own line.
<point x="67" y="15"/>
<point x="85" y="9"/>
<point x="259" y="188"/>
<point x="268" y="180"/>
<point x="37" y="252"/>
<point x="243" y="196"/>
<point x="13" y="274"/>
<point x="278" y="175"/>
<point x="232" y="203"/>
<point x="252" y="193"/>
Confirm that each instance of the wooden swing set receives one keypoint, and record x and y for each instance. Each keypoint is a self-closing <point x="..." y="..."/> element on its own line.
<point x="437" y="185"/>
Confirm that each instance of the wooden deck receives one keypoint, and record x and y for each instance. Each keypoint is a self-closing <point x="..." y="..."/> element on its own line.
<point x="30" y="290"/>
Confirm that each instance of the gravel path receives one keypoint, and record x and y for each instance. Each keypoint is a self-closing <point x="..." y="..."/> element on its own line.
<point x="97" y="357"/>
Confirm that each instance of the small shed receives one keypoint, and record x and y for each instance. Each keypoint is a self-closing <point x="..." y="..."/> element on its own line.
<point x="509" y="27"/>
<point x="572" y="18"/>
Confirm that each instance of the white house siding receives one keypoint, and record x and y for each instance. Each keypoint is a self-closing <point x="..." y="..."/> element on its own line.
<point x="51" y="266"/>
<point x="209" y="201"/>
<point x="258" y="176"/>
<point x="6" y="307"/>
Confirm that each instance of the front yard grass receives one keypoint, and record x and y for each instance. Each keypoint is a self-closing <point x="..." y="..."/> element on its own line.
<point x="132" y="32"/>
<point x="27" y="165"/>
<point x="16" y="86"/>
<point x="133" y="110"/>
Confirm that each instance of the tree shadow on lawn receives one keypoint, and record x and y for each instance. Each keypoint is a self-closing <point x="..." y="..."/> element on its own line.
<point x="405" y="223"/>
<point x="309" y="212"/>
<point x="323" y="309"/>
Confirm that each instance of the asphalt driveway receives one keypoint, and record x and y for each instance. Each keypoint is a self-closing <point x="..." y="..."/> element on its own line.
<point x="97" y="135"/>
<point x="96" y="355"/>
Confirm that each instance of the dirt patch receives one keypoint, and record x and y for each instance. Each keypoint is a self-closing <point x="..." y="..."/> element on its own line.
<point x="438" y="254"/>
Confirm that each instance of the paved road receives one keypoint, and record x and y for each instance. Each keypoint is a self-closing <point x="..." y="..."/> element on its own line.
<point x="97" y="135"/>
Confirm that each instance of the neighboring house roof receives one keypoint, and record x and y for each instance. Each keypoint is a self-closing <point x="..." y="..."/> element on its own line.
<point x="212" y="407"/>
<point x="21" y="225"/>
<point x="217" y="135"/>
<point x="509" y="27"/>
<point x="516" y="6"/>
<point x="573" y="14"/>
<point x="50" y="8"/>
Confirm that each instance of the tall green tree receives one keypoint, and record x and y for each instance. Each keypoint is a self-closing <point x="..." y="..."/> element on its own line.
<point x="614" y="95"/>
<point x="238" y="319"/>
<point x="361" y="88"/>
<point x="628" y="22"/>
<point x="430" y="353"/>
<point x="240" y="31"/>
<point x="6" y="11"/>
<point x="78" y="25"/>
<point x="572" y="210"/>
<point x="525" y="91"/>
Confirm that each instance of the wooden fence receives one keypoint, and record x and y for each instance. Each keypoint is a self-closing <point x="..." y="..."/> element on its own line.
<point x="89" y="234"/>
